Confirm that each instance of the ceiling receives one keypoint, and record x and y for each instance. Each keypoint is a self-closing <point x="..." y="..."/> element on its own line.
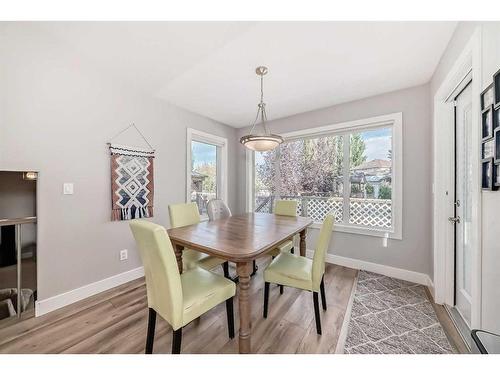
<point x="209" y="67"/>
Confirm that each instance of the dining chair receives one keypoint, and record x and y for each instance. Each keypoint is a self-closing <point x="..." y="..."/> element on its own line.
<point x="177" y="298"/>
<point x="218" y="209"/>
<point x="301" y="272"/>
<point x="181" y="215"/>
<point x="285" y="208"/>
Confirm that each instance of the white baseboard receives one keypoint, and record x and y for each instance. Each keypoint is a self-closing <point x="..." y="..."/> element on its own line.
<point x="53" y="303"/>
<point x="430" y="285"/>
<point x="398" y="273"/>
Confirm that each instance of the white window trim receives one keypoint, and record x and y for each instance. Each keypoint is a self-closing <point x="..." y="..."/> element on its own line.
<point x="394" y="120"/>
<point x="200" y="136"/>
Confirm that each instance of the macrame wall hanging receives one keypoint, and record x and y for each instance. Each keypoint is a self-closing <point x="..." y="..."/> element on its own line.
<point x="132" y="179"/>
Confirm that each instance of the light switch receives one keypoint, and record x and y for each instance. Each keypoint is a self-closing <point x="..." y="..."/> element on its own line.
<point x="68" y="188"/>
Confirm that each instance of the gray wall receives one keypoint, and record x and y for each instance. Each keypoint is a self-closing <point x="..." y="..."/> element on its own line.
<point x="57" y="113"/>
<point x="490" y="35"/>
<point x="413" y="252"/>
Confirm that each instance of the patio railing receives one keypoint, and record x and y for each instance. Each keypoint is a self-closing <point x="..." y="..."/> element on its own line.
<point x="201" y="200"/>
<point x="362" y="211"/>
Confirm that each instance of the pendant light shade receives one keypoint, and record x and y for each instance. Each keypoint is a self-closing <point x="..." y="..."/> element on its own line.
<point x="264" y="140"/>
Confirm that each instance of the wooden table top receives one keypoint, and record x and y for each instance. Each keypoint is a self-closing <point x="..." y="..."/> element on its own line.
<point x="240" y="237"/>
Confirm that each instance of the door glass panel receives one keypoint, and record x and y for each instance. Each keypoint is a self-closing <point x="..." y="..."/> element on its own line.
<point x="463" y="187"/>
<point x="467" y="200"/>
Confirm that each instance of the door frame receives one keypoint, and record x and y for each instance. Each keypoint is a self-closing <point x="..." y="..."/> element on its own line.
<point x="468" y="62"/>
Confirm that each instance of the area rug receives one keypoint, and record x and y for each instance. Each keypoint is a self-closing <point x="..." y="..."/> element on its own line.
<point x="392" y="316"/>
<point x="132" y="183"/>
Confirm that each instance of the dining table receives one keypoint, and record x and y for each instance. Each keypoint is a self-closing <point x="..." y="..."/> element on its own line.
<point x="240" y="239"/>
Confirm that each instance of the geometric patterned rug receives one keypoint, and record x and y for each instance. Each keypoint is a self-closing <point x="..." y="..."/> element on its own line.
<point x="392" y="316"/>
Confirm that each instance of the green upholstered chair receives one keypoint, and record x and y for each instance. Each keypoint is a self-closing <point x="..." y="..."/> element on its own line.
<point x="285" y="208"/>
<point x="181" y="215"/>
<point x="177" y="298"/>
<point x="301" y="272"/>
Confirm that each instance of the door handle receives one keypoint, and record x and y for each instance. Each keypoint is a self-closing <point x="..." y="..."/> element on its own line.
<point x="454" y="220"/>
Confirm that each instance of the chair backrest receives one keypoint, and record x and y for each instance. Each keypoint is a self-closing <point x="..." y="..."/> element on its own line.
<point x="217" y="209"/>
<point x="183" y="214"/>
<point x="163" y="280"/>
<point x="325" y="234"/>
<point x="286" y="207"/>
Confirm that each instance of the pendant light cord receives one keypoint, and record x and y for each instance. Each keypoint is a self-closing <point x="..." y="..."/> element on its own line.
<point x="261" y="109"/>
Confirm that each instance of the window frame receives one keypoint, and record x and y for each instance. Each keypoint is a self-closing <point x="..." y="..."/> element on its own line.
<point x="221" y="144"/>
<point x="392" y="120"/>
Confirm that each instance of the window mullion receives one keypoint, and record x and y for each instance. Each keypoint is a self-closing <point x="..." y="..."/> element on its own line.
<point x="277" y="177"/>
<point x="346" y="191"/>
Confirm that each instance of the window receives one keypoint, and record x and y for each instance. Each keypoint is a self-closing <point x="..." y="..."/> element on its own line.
<point x="206" y="168"/>
<point x="352" y="170"/>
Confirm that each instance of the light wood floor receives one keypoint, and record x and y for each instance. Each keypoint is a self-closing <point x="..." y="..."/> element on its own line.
<point x="115" y="322"/>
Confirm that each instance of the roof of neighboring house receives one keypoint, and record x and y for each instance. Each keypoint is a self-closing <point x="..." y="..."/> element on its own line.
<point x="198" y="176"/>
<point x="376" y="163"/>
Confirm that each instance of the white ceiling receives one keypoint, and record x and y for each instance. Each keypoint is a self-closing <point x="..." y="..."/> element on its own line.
<point x="209" y="67"/>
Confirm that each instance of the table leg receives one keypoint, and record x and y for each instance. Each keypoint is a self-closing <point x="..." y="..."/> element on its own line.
<point x="303" y="243"/>
<point x="178" y="256"/>
<point x="244" y="270"/>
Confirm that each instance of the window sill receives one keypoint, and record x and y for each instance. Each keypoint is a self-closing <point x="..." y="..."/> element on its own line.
<point x="361" y="230"/>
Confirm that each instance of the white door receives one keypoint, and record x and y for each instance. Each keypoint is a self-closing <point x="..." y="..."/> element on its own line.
<point x="463" y="202"/>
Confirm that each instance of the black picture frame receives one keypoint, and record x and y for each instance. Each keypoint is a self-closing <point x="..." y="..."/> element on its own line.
<point x="487" y="171"/>
<point x="496" y="175"/>
<point x="496" y="138"/>
<point x="487" y="123"/>
<point x="488" y="149"/>
<point x="496" y="83"/>
<point x="488" y="96"/>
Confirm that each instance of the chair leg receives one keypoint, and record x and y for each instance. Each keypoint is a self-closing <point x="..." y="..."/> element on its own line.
<point x="230" y="317"/>
<point x="316" y="313"/>
<point x="150" y="339"/>
<point x="266" y="298"/>
<point x="323" y="296"/>
<point x="281" y="289"/>
<point x="255" y="268"/>
<point x="176" y="341"/>
<point x="292" y="250"/>
<point x="225" y="267"/>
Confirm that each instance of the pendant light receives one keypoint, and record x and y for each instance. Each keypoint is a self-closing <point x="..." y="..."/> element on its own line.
<point x="264" y="140"/>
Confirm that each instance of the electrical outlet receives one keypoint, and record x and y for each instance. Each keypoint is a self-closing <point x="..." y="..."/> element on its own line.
<point x="124" y="254"/>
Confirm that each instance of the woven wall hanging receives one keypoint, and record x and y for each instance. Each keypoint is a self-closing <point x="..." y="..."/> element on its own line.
<point x="132" y="180"/>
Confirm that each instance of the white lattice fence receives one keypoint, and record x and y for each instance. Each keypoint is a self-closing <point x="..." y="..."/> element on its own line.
<point x="371" y="212"/>
<point x="367" y="212"/>
<point x="318" y="207"/>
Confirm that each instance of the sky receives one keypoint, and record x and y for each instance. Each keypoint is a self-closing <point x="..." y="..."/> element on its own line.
<point x="202" y="153"/>
<point x="378" y="144"/>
